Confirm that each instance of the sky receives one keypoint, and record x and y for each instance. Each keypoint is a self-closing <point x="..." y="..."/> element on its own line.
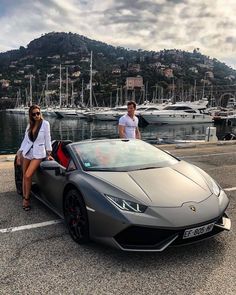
<point x="147" y="24"/>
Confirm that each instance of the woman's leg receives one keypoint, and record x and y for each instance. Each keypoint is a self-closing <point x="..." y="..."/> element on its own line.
<point x="34" y="164"/>
<point x="25" y="165"/>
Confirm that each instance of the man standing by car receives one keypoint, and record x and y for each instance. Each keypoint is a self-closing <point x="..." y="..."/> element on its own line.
<point x="128" y="124"/>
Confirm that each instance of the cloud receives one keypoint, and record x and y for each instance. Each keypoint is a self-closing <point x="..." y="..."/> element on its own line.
<point x="147" y="24"/>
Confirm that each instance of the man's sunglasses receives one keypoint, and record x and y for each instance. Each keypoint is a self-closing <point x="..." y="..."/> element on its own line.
<point x="35" y="114"/>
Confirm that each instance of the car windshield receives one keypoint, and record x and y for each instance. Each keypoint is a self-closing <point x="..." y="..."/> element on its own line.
<point x="121" y="155"/>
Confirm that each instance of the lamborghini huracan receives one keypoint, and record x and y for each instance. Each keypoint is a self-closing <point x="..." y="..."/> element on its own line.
<point x="129" y="194"/>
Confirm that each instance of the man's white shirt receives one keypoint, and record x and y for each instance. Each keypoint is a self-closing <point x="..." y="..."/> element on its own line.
<point x="130" y="125"/>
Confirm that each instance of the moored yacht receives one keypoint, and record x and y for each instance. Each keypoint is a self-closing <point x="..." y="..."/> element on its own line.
<point x="176" y="114"/>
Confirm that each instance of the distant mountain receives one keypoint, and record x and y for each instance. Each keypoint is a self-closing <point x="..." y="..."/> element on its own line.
<point x="112" y="65"/>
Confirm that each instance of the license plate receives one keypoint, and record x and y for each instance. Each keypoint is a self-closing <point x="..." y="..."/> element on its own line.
<point x="197" y="231"/>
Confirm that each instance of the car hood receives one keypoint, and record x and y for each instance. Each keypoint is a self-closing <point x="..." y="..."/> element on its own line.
<point x="162" y="187"/>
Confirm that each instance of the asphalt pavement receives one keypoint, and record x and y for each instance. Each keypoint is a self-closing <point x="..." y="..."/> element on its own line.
<point x="45" y="260"/>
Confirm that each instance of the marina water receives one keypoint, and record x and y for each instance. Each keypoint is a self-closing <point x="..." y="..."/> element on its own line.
<point x="12" y="128"/>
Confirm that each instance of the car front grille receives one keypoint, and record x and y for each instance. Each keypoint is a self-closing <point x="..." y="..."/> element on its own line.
<point x="141" y="238"/>
<point x="137" y="237"/>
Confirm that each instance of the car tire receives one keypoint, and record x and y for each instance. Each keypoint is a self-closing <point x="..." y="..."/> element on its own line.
<point x="18" y="178"/>
<point x="76" y="217"/>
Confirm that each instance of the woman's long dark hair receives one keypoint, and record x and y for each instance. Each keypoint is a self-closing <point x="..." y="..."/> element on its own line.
<point x="31" y="118"/>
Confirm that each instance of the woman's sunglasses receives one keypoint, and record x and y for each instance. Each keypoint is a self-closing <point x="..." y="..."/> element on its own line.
<point x="35" y="114"/>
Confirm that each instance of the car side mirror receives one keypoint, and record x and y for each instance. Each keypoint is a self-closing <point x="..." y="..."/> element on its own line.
<point x="53" y="165"/>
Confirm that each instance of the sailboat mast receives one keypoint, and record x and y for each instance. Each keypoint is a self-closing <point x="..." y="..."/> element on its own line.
<point x="72" y="93"/>
<point x="121" y="96"/>
<point x="117" y="96"/>
<point x="146" y="94"/>
<point x="17" y="99"/>
<point x="82" y="93"/>
<point x="67" y="87"/>
<point x="203" y="89"/>
<point x="46" y="92"/>
<point x="60" y="89"/>
<point x="31" y="96"/>
<point x="91" y="81"/>
<point x="194" y="90"/>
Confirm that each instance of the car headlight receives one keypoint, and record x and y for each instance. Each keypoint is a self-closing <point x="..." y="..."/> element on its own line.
<point x="127" y="205"/>
<point x="216" y="189"/>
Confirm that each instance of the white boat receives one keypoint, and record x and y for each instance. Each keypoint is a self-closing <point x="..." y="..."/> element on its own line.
<point x="81" y="114"/>
<point x="113" y="114"/>
<point x="66" y="113"/>
<point x="48" y="111"/>
<point x="224" y="115"/>
<point x="110" y="114"/>
<point x="176" y="114"/>
<point x="18" y="110"/>
<point x="231" y="103"/>
<point x="200" y="104"/>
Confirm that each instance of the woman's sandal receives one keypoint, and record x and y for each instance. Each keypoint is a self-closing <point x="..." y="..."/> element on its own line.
<point x="28" y="207"/>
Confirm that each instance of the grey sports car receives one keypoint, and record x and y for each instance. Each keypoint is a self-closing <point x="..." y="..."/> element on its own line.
<point x="129" y="194"/>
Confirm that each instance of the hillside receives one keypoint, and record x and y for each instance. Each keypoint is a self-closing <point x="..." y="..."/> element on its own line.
<point x="167" y="70"/>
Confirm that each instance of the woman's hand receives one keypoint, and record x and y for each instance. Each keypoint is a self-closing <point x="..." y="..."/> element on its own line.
<point x="50" y="158"/>
<point x="18" y="159"/>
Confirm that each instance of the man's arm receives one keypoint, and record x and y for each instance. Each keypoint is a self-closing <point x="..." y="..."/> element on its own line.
<point x="121" y="131"/>
<point x="137" y="133"/>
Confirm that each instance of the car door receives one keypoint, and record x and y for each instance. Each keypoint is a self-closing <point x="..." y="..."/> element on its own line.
<point x="51" y="185"/>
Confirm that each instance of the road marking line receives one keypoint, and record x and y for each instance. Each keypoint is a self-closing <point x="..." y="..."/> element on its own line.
<point x="206" y="155"/>
<point x="230" y="189"/>
<point x="30" y="226"/>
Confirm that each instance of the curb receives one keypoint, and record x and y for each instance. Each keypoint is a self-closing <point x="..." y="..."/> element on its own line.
<point x="197" y="145"/>
<point x="7" y="158"/>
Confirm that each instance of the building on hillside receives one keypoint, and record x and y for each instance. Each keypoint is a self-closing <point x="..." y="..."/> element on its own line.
<point x="5" y="83"/>
<point x="57" y="56"/>
<point x="67" y="62"/>
<point x="72" y="53"/>
<point x="116" y="70"/>
<point x="17" y="81"/>
<point x="168" y="73"/>
<point x="28" y="76"/>
<point x="134" y="82"/>
<point x="134" y="68"/>
<point x="85" y="59"/>
<point x="209" y="74"/>
<point x="203" y="66"/>
<point x="194" y="70"/>
<point x="230" y="77"/>
<point x="76" y="74"/>
<point x="26" y="67"/>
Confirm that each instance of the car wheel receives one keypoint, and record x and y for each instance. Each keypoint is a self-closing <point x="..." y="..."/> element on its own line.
<point x="18" y="178"/>
<point x="76" y="217"/>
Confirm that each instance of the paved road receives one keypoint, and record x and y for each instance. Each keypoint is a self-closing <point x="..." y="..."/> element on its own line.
<point x="46" y="260"/>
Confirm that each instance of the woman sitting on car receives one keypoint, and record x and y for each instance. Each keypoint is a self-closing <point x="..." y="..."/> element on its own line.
<point x="35" y="146"/>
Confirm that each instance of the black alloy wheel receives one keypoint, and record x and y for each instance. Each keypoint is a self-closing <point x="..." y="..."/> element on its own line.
<point x="76" y="217"/>
<point x="18" y="178"/>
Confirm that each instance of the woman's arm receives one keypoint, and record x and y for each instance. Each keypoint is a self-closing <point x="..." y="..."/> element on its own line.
<point x="48" y="145"/>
